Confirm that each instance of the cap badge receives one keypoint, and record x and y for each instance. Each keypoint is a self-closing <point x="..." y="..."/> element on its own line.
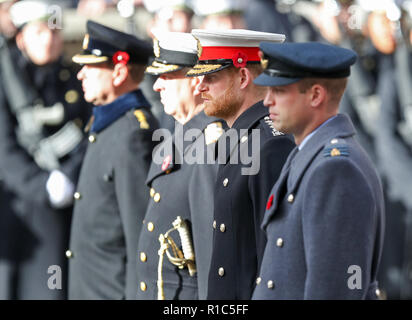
<point x="121" y="57"/>
<point x="263" y="62"/>
<point x="239" y="60"/>
<point x="199" y="47"/>
<point x="86" y="41"/>
<point x="156" y="48"/>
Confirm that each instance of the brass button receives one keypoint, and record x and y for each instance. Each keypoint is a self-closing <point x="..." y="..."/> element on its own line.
<point x="221" y="272"/>
<point x="152" y="192"/>
<point x="69" y="254"/>
<point x="156" y="197"/>
<point x="168" y="171"/>
<point x="378" y="293"/>
<point x="77" y="195"/>
<point x="291" y="197"/>
<point x="258" y="280"/>
<point x="271" y="285"/>
<point x="334" y="141"/>
<point x="225" y="182"/>
<point x="279" y="242"/>
<point x="150" y="226"/>
<point x="222" y="228"/>
<point x="92" y="138"/>
<point x="214" y="224"/>
<point x="143" y="286"/>
<point x="143" y="257"/>
<point x="243" y="139"/>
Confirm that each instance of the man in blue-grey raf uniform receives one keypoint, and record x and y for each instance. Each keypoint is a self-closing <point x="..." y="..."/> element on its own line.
<point x="324" y="218"/>
<point x="111" y="197"/>
<point x="251" y="155"/>
<point x="175" y="246"/>
<point x="42" y="115"/>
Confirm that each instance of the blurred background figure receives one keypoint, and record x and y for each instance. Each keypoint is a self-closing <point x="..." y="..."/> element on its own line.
<point x="394" y="142"/>
<point x="42" y="114"/>
<point x="221" y="14"/>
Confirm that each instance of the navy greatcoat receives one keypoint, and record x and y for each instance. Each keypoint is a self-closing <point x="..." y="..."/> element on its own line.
<point x="240" y="200"/>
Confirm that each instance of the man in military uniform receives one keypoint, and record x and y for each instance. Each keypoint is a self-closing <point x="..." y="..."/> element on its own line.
<point x="41" y="149"/>
<point x="250" y="162"/>
<point x="111" y="197"/>
<point x="325" y="215"/>
<point x="181" y="181"/>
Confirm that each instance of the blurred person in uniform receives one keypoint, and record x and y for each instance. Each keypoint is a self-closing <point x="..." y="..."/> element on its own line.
<point x="324" y="217"/>
<point x="220" y="14"/>
<point x="175" y="243"/>
<point x="41" y="148"/>
<point x="394" y="150"/>
<point x="172" y="16"/>
<point x="111" y="197"/>
<point x="280" y="16"/>
<point x="345" y="23"/>
<point x="251" y="155"/>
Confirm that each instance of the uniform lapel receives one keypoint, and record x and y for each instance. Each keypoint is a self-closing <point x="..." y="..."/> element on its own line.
<point x="298" y="161"/>
<point x="247" y="120"/>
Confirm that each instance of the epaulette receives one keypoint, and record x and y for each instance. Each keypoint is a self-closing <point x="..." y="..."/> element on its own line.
<point x="271" y="128"/>
<point x="213" y="132"/>
<point x="336" y="148"/>
<point x="142" y="119"/>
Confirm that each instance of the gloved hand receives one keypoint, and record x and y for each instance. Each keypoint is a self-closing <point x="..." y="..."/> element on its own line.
<point x="60" y="190"/>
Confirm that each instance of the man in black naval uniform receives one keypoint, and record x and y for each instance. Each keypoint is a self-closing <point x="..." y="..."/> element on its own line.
<point x="111" y="197"/>
<point x="255" y="153"/>
<point x="41" y="148"/>
<point x="325" y="215"/>
<point x="174" y="245"/>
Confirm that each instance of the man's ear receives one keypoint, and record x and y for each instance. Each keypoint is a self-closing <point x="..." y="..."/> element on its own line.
<point x="194" y="83"/>
<point x="19" y="41"/>
<point x="317" y="95"/>
<point x="245" y="77"/>
<point x="120" y="74"/>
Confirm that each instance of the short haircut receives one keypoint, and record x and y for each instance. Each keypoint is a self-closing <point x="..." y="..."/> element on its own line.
<point x="335" y="87"/>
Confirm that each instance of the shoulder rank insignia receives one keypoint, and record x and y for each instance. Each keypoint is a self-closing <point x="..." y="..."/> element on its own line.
<point x="270" y="124"/>
<point x="142" y="119"/>
<point x="336" y="150"/>
<point x="213" y="132"/>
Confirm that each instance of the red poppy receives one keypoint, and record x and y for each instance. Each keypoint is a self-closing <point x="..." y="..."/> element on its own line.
<point x="166" y="162"/>
<point x="239" y="60"/>
<point x="121" y="57"/>
<point x="269" y="203"/>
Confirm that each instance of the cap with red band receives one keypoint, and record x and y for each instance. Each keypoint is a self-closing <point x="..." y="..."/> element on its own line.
<point x="220" y="49"/>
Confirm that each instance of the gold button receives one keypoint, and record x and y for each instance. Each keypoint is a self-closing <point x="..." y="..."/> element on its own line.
<point x="77" y="195"/>
<point x="279" y="242"/>
<point x="92" y="138"/>
<point x="334" y="141"/>
<point x="168" y="171"/>
<point x="143" y="286"/>
<point x="225" y="182"/>
<point x="143" y="257"/>
<point x="221" y="272"/>
<point x="258" y="280"/>
<point x="214" y="224"/>
<point x="291" y="197"/>
<point x="271" y="285"/>
<point x="156" y="197"/>
<point x="222" y="228"/>
<point x="69" y="254"/>
<point x="152" y="192"/>
<point x="243" y="139"/>
<point x="378" y="293"/>
<point x="150" y="226"/>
